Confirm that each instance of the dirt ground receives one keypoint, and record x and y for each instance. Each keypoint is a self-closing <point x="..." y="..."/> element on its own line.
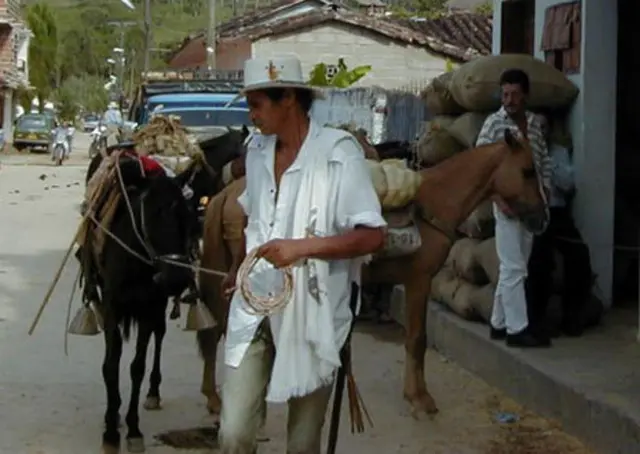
<point x="54" y="404"/>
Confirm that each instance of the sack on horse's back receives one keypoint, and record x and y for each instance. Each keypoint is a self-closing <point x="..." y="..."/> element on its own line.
<point x="438" y="97"/>
<point x="437" y="144"/>
<point x="466" y="127"/>
<point x="394" y="183"/>
<point x="476" y="84"/>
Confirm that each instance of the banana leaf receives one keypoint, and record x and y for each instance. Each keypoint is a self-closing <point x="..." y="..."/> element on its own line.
<point x="345" y="78"/>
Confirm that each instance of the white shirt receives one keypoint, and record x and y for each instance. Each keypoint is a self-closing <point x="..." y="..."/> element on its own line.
<point x="355" y="202"/>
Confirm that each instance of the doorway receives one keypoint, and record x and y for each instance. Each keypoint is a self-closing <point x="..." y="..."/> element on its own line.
<point x="627" y="168"/>
<point x="518" y="21"/>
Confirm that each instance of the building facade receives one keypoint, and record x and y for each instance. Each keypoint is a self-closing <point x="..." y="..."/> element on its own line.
<point x="399" y="50"/>
<point x="14" y="64"/>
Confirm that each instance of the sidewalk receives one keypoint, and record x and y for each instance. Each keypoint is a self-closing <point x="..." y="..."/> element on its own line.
<point x="589" y="384"/>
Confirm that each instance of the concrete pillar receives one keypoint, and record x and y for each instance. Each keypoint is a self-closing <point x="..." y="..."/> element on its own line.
<point x="7" y="117"/>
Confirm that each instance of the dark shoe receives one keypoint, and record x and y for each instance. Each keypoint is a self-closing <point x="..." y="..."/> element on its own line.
<point x="527" y="340"/>
<point x="497" y="334"/>
<point x="572" y="329"/>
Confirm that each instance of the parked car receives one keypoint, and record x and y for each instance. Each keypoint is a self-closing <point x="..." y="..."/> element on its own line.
<point x="34" y="131"/>
<point x="90" y="122"/>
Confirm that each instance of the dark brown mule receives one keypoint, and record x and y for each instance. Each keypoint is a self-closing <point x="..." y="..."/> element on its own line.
<point x="449" y="192"/>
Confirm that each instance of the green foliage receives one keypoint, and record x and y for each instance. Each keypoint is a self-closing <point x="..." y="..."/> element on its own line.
<point x="448" y="65"/>
<point x="429" y="9"/>
<point x="344" y="78"/>
<point x="43" y="50"/>
<point x="81" y="92"/>
<point x="485" y="8"/>
<point x="24" y="97"/>
<point x="74" y="38"/>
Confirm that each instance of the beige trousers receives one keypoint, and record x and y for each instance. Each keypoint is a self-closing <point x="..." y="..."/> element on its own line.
<point x="243" y="404"/>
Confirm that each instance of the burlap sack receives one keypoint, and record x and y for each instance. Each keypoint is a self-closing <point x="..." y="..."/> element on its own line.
<point x="480" y="224"/>
<point x="476" y="84"/>
<point x="481" y="300"/>
<point x="394" y="182"/>
<point x="438" y="98"/>
<point x="446" y="288"/>
<point x="487" y="257"/>
<point x="462" y="260"/>
<point x="437" y="144"/>
<point x="466" y="127"/>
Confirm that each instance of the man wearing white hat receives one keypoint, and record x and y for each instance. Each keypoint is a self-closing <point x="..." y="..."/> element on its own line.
<point x="301" y="178"/>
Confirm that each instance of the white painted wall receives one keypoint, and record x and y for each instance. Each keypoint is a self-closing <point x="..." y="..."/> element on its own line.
<point x="593" y="124"/>
<point x="394" y="63"/>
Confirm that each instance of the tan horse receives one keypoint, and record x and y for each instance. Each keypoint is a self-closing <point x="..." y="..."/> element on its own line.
<point x="449" y="192"/>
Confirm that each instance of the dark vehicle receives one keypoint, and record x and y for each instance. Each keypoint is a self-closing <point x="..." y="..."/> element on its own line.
<point x="34" y="131"/>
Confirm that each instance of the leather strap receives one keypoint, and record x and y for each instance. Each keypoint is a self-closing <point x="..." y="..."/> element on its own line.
<point x="437" y="224"/>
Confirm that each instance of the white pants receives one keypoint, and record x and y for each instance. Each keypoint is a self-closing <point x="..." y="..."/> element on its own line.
<point x="513" y="245"/>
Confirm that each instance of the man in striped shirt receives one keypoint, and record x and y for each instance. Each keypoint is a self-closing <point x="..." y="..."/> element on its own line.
<point x="513" y="241"/>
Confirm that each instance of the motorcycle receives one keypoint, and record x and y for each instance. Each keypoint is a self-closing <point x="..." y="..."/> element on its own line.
<point x="98" y="141"/>
<point x="60" y="144"/>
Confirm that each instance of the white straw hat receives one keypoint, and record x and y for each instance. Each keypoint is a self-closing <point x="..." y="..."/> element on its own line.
<point x="276" y="72"/>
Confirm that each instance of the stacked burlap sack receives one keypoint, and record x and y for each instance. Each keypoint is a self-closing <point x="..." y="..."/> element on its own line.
<point x="459" y="102"/>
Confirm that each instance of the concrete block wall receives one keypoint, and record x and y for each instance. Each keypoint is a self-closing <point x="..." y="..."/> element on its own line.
<point x="395" y="64"/>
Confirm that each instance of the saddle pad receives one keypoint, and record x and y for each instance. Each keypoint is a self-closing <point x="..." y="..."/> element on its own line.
<point x="399" y="218"/>
<point x="400" y="242"/>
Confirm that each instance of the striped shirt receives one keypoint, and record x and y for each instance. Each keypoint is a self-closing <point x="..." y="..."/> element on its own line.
<point x="493" y="131"/>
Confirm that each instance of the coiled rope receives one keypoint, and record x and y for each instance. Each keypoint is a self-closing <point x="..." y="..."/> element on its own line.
<point x="261" y="305"/>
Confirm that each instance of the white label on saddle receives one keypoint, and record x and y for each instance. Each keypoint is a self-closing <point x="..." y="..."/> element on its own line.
<point x="401" y="241"/>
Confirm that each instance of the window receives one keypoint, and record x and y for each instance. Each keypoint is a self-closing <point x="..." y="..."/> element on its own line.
<point x="562" y="37"/>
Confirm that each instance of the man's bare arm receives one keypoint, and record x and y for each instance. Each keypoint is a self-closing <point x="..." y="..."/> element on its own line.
<point x="356" y="243"/>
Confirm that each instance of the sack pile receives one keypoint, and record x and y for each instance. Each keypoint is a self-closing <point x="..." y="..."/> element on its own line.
<point x="168" y="141"/>
<point x="461" y="100"/>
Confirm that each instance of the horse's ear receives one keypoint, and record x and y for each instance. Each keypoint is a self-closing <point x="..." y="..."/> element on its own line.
<point x="229" y="129"/>
<point x="245" y="131"/>
<point x="510" y="139"/>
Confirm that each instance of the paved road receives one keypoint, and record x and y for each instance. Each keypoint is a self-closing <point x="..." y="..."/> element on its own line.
<point x="53" y="404"/>
<point x="79" y="154"/>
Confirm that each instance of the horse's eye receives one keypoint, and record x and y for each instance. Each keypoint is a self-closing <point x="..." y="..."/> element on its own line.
<point x="529" y="173"/>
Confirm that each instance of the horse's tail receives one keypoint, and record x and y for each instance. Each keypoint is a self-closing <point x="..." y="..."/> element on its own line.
<point x="214" y="257"/>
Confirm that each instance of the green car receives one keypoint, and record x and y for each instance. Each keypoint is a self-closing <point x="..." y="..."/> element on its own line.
<point x="34" y="131"/>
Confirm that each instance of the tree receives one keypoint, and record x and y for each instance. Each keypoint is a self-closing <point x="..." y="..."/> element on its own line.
<point x="43" y="50"/>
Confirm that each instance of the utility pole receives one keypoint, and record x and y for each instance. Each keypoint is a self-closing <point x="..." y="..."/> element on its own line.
<point x="122" y="59"/>
<point x="211" y="36"/>
<point x="147" y="34"/>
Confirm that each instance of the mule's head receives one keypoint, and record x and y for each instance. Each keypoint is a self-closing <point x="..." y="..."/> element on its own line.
<point x="165" y="225"/>
<point x="516" y="181"/>
<point x="218" y="152"/>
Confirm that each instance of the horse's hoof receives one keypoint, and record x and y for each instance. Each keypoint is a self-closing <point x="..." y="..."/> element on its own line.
<point x="135" y="444"/>
<point x="421" y="405"/>
<point x="152" y="403"/>
<point x="109" y="449"/>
